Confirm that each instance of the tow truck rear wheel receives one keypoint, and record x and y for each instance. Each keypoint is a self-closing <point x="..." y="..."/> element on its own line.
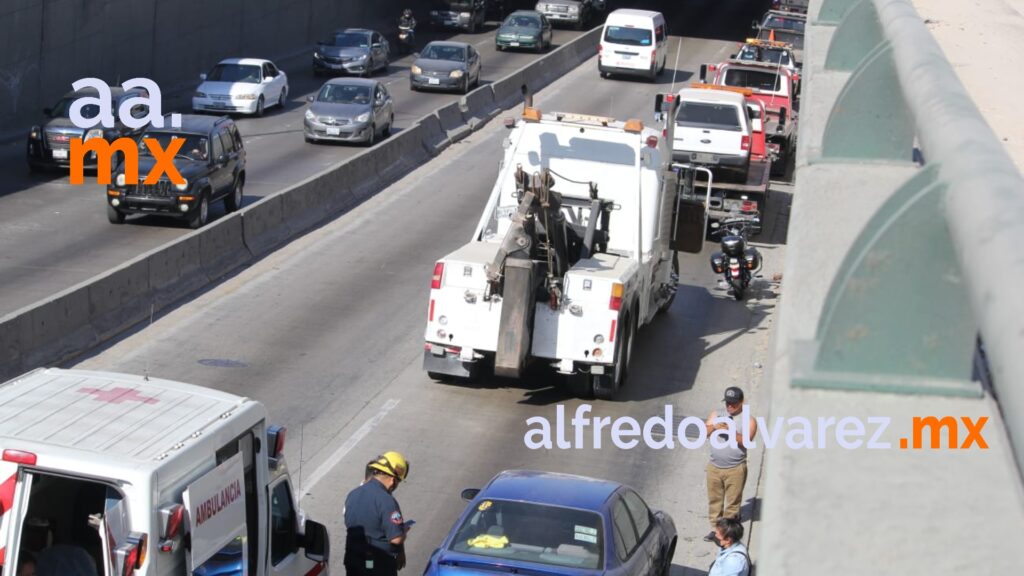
<point x="674" y="284"/>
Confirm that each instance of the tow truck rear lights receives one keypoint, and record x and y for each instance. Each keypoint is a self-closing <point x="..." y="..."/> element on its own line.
<point x="132" y="554"/>
<point x="20" y="457"/>
<point x="430" y="316"/>
<point x="171" y="518"/>
<point x="634" y="126"/>
<point x="749" y="206"/>
<point x="745" y="143"/>
<point x="615" y="303"/>
<point x="435" y="281"/>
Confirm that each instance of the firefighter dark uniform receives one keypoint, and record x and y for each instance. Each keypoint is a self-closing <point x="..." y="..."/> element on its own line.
<point x="372" y="519"/>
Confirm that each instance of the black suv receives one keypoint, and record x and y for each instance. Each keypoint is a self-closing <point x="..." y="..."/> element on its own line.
<point x="212" y="162"/>
<point x="49" y="144"/>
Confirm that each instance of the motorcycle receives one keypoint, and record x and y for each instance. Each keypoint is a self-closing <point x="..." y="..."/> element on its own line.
<point x="736" y="262"/>
<point x="407" y="39"/>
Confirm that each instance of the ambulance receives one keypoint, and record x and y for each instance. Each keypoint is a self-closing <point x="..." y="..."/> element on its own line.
<point x="118" y="475"/>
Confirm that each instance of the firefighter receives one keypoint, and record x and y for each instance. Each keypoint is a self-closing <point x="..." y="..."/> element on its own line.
<point x="375" y="529"/>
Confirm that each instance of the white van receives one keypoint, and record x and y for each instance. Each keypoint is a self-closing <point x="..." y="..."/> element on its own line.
<point x="133" y="476"/>
<point x="633" y="42"/>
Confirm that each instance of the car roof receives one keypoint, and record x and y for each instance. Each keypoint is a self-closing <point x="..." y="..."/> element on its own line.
<point x="245" y="61"/>
<point x="711" y="95"/>
<point x="353" y="30"/>
<point x="533" y="13"/>
<point x="784" y="14"/>
<point x="371" y="82"/>
<point x="550" y="488"/>
<point x="115" y="92"/>
<point x="192" y="123"/>
<point x="119" y="416"/>
<point x="448" y="43"/>
<point x="634" y="13"/>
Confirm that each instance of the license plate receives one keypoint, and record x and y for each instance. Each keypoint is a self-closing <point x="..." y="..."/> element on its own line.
<point x="333" y="131"/>
<point x="704" y="158"/>
<point x="437" y="350"/>
<point x="513" y="43"/>
<point x="218" y="105"/>
<point x="60" y="154"/>
<point x="450" y="22"/>
<point x="434" y="81"/>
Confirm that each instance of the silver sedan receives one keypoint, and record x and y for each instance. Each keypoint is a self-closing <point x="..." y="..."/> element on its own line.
<point x="349" y="110"/>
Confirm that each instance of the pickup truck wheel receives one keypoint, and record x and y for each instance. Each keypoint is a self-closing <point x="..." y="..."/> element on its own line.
<point x="201" y="214"/>
<point x="114" y="215"/>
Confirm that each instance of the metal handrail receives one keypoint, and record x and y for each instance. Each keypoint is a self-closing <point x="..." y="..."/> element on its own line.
<point x="984" y="204"/>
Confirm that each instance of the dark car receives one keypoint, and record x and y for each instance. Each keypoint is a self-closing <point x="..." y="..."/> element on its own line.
<point x="545" y="523"/>
<point x="355" y="51"/>
<point x="524" y="29"/>
<point x="49" y="144"/>
<point x="446" y="66"/>
<point x="780" y="26"/>
<point x="465" y="15"/>
<point x="212" y="162"/>
<point x="349" y="110"/>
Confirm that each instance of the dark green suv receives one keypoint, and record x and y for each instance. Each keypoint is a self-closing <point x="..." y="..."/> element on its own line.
<point x="211" y="160"/>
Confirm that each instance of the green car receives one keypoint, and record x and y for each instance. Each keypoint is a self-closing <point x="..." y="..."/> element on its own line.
<point x="524" y="29"/>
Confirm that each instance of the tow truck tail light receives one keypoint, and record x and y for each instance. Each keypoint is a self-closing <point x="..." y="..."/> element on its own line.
<point x="749" y="206"/>
<point x="171" y="518"/>
<point x="20" y="457"/>
<point x="435" y="282"/>
<point x="430" y="315"/>
<point x="615" y="303"/>
<point x="745" y="143"/>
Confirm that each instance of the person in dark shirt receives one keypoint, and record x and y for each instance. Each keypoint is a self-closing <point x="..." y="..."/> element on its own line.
<point x="375" y="528"/>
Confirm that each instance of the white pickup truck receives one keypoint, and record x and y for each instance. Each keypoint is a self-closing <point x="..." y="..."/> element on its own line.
<point x="122" y="475"/>
<point x="571" y="257"/>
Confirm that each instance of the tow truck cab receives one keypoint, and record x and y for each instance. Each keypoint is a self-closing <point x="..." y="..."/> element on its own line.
<point x="148" y="477"/>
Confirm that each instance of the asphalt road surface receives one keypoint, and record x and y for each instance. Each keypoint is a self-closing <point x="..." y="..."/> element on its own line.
<point x="328" y="332"/>
<point x="55" y="235"/>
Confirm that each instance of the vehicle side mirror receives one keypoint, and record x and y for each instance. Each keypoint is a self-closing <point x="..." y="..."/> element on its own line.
<point x="416" y="55"/>
<point x="48" y="111"/>
<point x="732" y="56"/>
<point x="753" y="24"/>
<point x="202" y="76"/>
<point x="469" y="493"/>
<point x="703" y="73"/>
<point x="222" y="159"/>
<point x="309" y="98"/>
<point x="315" y="542"/>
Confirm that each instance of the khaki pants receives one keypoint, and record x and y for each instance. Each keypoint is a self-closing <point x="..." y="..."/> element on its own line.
<point x="725" y="491"/>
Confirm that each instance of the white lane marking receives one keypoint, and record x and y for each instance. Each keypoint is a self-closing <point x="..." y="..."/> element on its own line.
<point x="346" y="447"/>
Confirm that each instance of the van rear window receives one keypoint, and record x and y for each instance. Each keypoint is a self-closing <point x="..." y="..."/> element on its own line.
<point x="708" y="115"/>
<point x="628" y="36"/>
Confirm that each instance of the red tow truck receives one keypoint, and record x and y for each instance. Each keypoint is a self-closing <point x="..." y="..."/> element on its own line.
<point x="775" y="87"/>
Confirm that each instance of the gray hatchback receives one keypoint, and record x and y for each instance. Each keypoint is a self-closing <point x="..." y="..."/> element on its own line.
<point x="349" y="110"/>
<point x="446" y="66"/>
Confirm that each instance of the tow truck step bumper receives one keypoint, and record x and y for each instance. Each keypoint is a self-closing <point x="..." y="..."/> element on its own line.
<point x="450" y="365"/>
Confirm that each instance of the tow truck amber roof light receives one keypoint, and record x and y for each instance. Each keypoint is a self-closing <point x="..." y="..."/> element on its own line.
<point x="633" y="125"/>
<point x="745" y="91"/>
<point x="531" y="115"/>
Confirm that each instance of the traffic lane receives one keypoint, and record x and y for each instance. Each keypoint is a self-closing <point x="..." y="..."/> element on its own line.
<point x="57" y="235"/>
<point x="328" y="332"/>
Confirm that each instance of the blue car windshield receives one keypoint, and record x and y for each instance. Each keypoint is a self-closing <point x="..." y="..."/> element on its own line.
<point x="519" y="531"/>
<point x="627" y="36"/>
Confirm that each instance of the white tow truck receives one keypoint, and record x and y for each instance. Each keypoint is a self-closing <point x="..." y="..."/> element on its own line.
<point x="140" y="476"/>
<point x="573" y="254"/>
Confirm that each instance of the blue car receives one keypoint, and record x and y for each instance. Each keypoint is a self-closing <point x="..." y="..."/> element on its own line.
<point x="540" y="523"/>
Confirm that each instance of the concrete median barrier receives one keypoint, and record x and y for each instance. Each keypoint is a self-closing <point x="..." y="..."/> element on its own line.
<point x="82" y="317"/>
<point x="432" y="135"/>
<point x="478" y="107"/>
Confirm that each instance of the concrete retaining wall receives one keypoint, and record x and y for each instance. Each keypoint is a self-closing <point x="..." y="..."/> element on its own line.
<point x="66" y="324"/>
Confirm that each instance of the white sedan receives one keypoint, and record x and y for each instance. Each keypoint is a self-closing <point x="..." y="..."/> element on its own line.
<point x="241" y="85"/>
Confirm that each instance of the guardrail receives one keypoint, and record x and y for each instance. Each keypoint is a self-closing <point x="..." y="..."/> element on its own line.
<point x="938" y="263"/>
<point x="66" y="324"/>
